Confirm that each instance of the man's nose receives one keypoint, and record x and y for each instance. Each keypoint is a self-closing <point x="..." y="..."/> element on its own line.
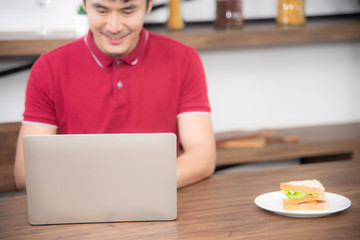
<point x="115" y="23"/>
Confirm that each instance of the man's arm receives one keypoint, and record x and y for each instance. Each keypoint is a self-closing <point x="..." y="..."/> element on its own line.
<point x="198" y="142"/>
<point x="19" y="168"/>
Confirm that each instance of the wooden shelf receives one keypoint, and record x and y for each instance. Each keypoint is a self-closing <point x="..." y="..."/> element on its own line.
<point x="314" y="141"/>
<point x="206" y="36"/>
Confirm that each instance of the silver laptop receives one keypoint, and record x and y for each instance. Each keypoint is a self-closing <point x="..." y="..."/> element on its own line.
<point x="100" y="178"/>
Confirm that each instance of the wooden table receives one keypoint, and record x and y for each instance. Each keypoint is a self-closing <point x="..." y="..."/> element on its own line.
<point x="221" y="207"/>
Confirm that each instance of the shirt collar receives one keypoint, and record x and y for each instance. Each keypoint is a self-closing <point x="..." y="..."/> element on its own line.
<point x="105" y="61"/>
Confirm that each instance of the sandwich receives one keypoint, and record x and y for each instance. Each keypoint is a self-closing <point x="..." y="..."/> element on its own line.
<point x="304" y="195"/>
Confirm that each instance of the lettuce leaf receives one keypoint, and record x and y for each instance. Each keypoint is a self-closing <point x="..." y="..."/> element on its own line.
<point x="296" y="194"/>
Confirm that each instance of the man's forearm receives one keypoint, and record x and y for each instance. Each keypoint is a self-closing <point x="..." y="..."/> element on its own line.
<point x="193" y="167"/>
<point x="198" y="142"/>
<point x="19" y="168"/>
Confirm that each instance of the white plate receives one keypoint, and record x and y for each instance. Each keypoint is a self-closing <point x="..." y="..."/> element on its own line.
<point x="273" y="202"/>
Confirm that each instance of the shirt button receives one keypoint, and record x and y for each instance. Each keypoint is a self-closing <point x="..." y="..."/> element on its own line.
<point x="118" y="63"/>
<point x="119" y="84"/>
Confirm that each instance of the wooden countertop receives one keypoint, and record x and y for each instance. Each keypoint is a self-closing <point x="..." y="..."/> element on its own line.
<point x="221" y="207"/>
<point x="313" y="141"/>
<point x="206" y="36"/>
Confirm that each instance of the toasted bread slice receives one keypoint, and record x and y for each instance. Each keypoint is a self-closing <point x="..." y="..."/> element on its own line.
<point x="304" y="199"/>
<point x="319" y="205"/>
<point x="313" y="186"/>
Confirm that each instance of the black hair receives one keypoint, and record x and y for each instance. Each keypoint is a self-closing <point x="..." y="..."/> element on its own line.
<point x="147" y="3"/>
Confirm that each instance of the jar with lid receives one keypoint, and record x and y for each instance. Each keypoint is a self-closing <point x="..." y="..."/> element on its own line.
<point x="291" y="12"/>
<point x="229" y="13"/>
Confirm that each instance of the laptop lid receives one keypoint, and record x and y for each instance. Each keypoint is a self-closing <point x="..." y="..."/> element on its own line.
<point x="100" y="178"/>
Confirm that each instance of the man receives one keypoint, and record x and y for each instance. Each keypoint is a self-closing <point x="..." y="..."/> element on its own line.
<point x="121" y="78"/>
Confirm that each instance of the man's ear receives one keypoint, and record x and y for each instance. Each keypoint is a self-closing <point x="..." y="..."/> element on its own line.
<point x="150" y="6"/>
<point x="84" y="6"/>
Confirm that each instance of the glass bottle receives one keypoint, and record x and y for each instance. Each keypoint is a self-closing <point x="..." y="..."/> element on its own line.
<point x="175" y="21"/>
<point x="229" y="13"/>
<point x="291" y="12"/>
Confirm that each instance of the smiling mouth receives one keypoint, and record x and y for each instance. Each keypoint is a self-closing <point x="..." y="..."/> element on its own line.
<point x="115" y="38"/>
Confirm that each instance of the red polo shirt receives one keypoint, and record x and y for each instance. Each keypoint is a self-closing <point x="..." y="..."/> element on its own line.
<point x="80" y="90"/>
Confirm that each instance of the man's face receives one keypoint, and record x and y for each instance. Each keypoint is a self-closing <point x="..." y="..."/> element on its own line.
<point x="116" y="24"/>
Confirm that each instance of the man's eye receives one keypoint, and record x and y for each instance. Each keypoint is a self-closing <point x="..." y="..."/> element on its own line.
<point x="128" y="12"/>
<point x="101" y="11"/>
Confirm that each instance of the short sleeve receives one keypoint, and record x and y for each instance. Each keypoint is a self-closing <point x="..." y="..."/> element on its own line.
<point x="193" y="95"/>
<point x="39" y="99"/>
